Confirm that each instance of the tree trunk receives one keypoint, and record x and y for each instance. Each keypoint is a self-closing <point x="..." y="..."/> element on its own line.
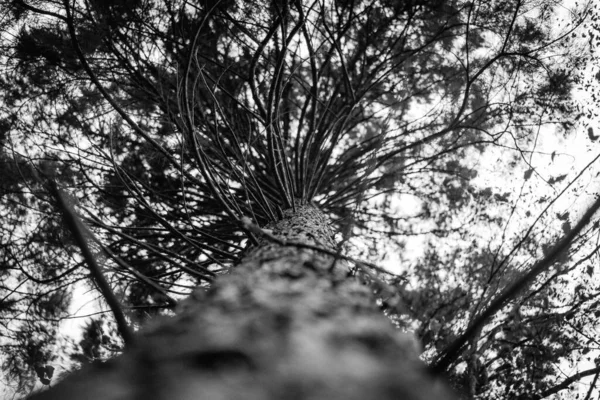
<point x="285" y="324"/>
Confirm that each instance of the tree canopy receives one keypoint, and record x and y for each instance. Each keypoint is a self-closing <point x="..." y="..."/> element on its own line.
<point x="432" y="132"/>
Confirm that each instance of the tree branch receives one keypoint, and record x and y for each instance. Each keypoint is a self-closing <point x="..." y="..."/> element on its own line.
<point x="567" y="382"/>
<point x="449" y="354"/>
<point x="78" y="231"/>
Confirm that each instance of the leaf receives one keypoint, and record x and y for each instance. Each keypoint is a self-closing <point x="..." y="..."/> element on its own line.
<point x="563" y="217"/>
<point x="44" y="373"/>
<point x="585" y="350"/>
<point x="528" y="173"/>
<point x="557" y="179"/>
<point x="503" y="198"/>
<point x="39" y="371"/>
<point x="590" y="270"/>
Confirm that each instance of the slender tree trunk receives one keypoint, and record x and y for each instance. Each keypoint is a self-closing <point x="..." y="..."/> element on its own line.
<point x="283" y="325"/>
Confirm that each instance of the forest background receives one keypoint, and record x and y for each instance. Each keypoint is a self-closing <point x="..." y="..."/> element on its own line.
<point x="452" y="142"/>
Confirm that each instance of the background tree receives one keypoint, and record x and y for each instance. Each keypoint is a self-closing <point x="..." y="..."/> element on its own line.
<point x="168" y="123"/>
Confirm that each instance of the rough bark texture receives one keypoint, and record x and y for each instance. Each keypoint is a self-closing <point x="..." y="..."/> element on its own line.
<point x="282" y="325"/>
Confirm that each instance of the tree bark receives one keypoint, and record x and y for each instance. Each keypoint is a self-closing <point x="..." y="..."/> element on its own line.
<point x="285" y="324"/>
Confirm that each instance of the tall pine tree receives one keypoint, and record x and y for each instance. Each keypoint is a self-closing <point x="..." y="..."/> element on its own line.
<point x="244" y="151"/>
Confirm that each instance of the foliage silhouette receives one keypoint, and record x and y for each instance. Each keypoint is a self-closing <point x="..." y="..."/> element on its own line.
<point x="169" y="122"/>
